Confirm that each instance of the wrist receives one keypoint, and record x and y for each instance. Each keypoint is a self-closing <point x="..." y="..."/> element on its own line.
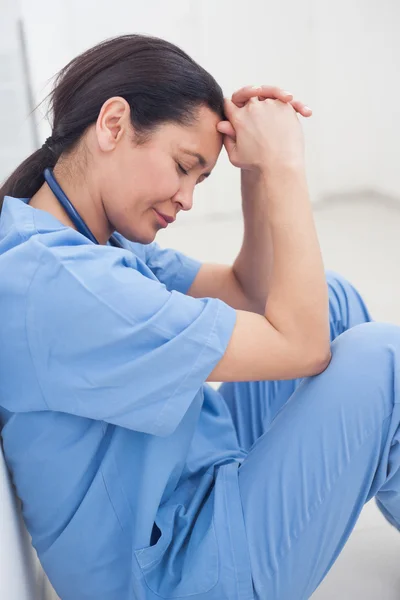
<point x="273" y="178"/>
<point x="284" y="183"/>
<point x="281" y="167"/>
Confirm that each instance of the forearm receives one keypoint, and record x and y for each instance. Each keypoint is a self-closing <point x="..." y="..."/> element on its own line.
<point x="297" y="303"/>
<point x="253" y="265"/>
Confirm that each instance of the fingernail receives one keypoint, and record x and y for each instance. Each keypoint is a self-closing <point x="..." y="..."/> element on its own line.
<point x="307" y="108"/>
<point x="288" y="93"/>
<point x="255" y="87"/>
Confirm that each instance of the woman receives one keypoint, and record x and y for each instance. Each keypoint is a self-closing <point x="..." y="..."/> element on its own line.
<point x="137" y="479"/>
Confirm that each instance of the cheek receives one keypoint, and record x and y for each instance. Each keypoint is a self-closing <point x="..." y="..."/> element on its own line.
<point x="161" y="183"/>
<point x="168" y="185"/>
<point x="138" y="185"/>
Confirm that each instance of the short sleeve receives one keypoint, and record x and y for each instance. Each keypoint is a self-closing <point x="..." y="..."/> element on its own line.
<point x="111" y="344"/>
<point x="173" y="268"/>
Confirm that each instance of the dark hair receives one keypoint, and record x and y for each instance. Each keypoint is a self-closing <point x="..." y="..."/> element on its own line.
<point x="160" y="82"/>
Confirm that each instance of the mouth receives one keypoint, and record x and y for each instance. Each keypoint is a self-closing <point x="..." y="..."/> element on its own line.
<point x="164" y="220"/>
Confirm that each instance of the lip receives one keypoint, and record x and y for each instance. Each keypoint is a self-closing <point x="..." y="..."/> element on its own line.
<point x="164" y="219"/>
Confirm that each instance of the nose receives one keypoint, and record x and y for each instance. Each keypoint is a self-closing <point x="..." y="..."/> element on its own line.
<point x="184" y="198"/>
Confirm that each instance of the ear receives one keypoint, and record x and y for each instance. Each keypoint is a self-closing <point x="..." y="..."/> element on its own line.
<point x="113" y="123"/>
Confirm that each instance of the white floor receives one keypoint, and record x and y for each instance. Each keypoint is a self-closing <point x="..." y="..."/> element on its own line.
<point x="360" y="237"/>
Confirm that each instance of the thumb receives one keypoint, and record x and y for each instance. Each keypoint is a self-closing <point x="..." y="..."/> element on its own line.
<point x="226" y="128"/>
<point x="231" y="110"/>
<point x="230" y="146"/>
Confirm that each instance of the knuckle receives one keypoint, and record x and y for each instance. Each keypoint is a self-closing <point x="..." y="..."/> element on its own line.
<point x="238" y="118"/>
<point x="252" y="104"/>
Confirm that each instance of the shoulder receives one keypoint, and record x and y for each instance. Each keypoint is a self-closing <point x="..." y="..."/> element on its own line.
<point x="137" y="249"/>
<point x="65" y="251"/>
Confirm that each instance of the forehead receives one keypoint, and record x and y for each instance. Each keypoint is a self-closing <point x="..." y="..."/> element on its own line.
<point x="200" y="137"/>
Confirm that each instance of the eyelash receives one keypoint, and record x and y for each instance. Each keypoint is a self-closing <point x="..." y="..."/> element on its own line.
<point x="186" y="172"/>
<point x="182" y="169"/>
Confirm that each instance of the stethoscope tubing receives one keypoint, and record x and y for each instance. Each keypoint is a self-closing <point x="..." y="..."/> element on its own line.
<point x="71" y="210"/>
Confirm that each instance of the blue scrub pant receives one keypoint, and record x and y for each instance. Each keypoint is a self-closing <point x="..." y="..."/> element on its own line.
<point x="318" y="449"/>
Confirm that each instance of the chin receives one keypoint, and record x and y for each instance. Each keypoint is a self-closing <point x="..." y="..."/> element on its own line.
<point x="146" y="239"/>
<point x="139" y="237"/>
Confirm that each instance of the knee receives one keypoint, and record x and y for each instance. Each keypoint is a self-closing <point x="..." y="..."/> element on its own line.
<point x="370" y="336"/>
<point x="362" y="374"/>
<point x="367" y="348"/>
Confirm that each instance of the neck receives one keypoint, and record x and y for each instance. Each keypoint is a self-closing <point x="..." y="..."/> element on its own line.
<point x="84" y="198"/>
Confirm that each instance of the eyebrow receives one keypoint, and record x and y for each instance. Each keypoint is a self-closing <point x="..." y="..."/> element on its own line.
<point x="201" y="160"/>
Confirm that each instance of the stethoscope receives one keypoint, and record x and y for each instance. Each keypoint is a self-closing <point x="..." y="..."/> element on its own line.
<point x="71" y="210"/>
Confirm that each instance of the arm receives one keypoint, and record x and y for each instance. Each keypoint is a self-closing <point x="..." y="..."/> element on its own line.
<point x="244" y="285"/>
<point x="292" y="338"/>
<point x="253" y="265"/>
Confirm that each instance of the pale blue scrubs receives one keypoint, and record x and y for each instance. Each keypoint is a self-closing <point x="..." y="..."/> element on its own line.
<point x="109" y="428"/>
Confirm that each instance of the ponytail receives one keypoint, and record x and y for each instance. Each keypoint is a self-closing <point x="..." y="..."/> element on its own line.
<point x="28" y="178"/>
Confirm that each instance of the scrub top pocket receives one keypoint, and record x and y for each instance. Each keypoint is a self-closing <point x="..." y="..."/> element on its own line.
<point x="184" y="560"/>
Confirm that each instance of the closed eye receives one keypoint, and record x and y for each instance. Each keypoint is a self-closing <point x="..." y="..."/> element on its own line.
<point x="182" y="169"/>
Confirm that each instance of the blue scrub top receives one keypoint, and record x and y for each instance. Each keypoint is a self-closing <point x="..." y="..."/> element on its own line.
<point x="108" y="427"/>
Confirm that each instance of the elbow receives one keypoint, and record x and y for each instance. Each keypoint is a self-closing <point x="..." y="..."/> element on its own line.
<point x="322" y="363"/>
<point x="319" y="360"/>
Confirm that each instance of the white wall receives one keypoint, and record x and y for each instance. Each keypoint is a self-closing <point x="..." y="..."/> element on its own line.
<point x="357" y="51"/>
<point x="16" y="139"/>
<point x="341" y="57"/>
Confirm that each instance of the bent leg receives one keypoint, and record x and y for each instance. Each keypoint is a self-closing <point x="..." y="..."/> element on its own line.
<point x="333" y="446"/>
<point x="253" y="405"/>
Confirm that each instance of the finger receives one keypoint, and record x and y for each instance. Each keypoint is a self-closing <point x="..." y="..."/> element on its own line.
<point x="240" y="97"/>
<point x="269" y="91"/>
<point x="301" y="108"/>
<point x="231" y="110"/>
<point x="226" y="128"/>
